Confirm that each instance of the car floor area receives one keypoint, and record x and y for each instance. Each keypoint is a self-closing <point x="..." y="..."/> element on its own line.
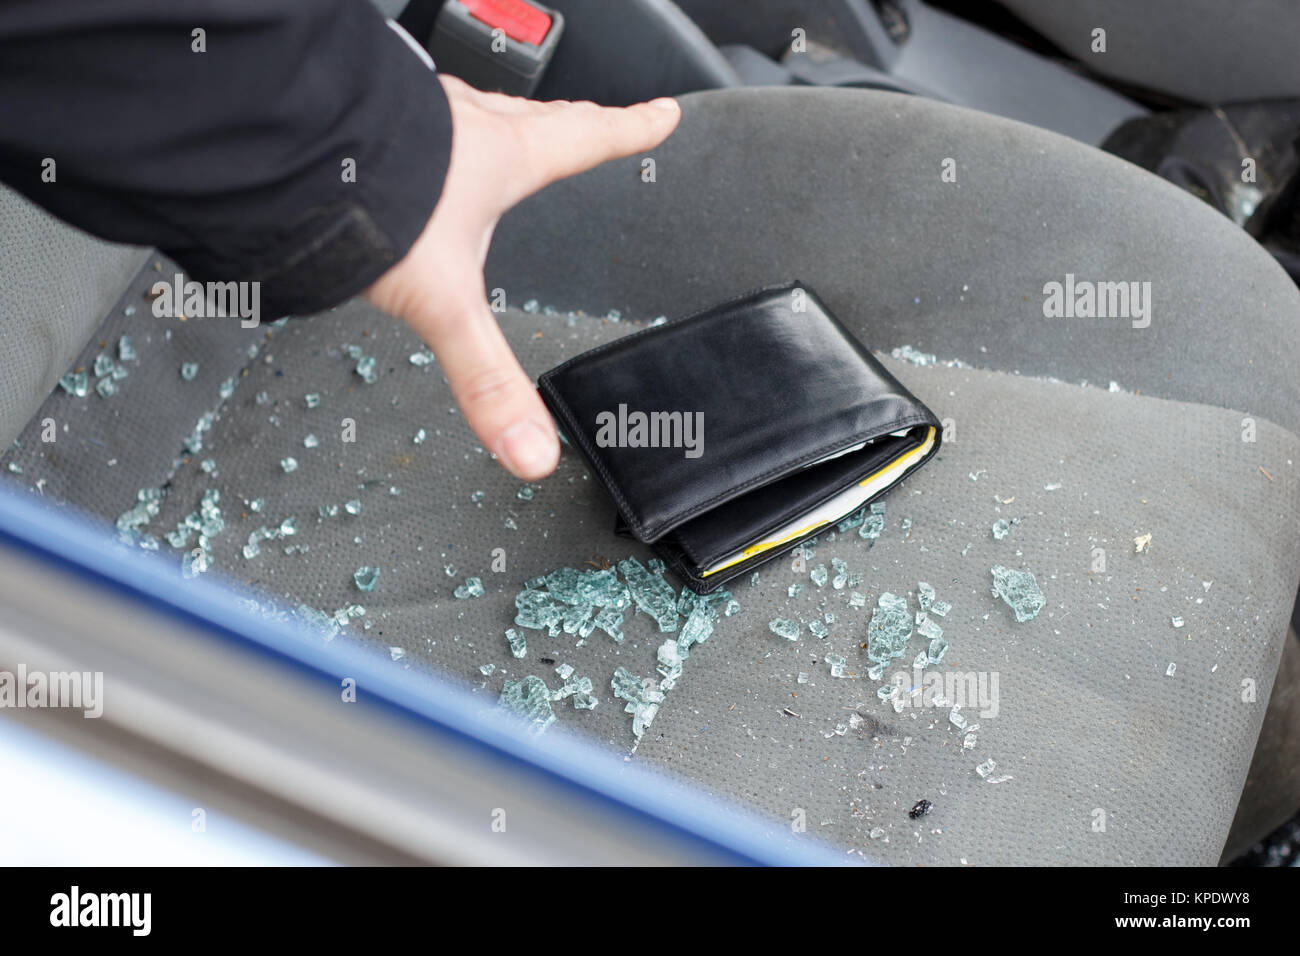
<point x="1107" y="731"/>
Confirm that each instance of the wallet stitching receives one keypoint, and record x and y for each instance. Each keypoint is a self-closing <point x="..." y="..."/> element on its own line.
<point x="676" y="518"/>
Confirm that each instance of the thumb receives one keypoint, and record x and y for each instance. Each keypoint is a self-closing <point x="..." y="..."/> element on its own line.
<point x="495" y="395"/>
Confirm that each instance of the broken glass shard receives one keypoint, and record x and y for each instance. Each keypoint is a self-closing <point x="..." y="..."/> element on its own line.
<point x="1177" y="621"/>
<point x="311" y="400"/>
<point x="472" y="588"/>
<point x="857" y="599"/>
<point x="938" y="647"/>
<point x="889" y="628"/>
<point x="1000" y="528"/>
<point x="103" y="365"/>
<point x="76" y="384"/>
<point x="353" y="507"/>
<point x="421" y="358"/>
<point x="289" y="464"/>
<point x="487" y="670"/>
<point x="419" y="438"/>
<point x="126" y="350"/>
<point x="526" y="493"/>
<point x="518" y="643"/>
<point x="924" y="595"/>
<point x="837" y="665"/>
<point x="872" y="526"/>
<point x="106" y="387"/>
<point x="366" y="577"/>
<point x="986" y="768"/>
<point x="782" y="627"/>
<point x="957" y="718"/>
<point x="818" y="575"/>
<point x="651" y="592"/>
<point x="940" y="608"/>
<point x="189" y="370"/>
<point x="642" y="696"/>
<point x="928" y="629"/>
<point x="1171" y="669"/>
<point x="311" y="441"/>
<point x="1019" y="590"/>
<point x="794" y="590"/>
<point x="530" y="700"/>
<point x="819" y="629"/>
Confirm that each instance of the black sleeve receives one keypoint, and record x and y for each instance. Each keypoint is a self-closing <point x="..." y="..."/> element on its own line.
<point x="232" y="160"/>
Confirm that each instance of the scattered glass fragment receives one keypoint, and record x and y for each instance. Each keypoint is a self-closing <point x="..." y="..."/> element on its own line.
<point x="126" y="350"/>
<point x="311" y="400"/>
<point x="651" y="592"/>
<point x="753" y="580"/>
<point x="924" y="595"/>
<point x="525" y="493"/>
<point x="872" y="526"/>
<point x="837" y="664"/>
<point x="564" y="670"/>
<point x="1019" y="590"/>
<point x="938" y="647"/>
<point x="422" y="357"/>
<point x="106" y="387"/>
<point x="472" y="588"/>
<point x="189" y="370"/>
<point x="818" y="575"/>
<point x="419" y="438"/>
<point x="396" y="653"/>
<point x="795" y="589"/>
<point x="311" y="441"/>
<point x="1141" y="543"/>
<point x="1176" y="621"/>
<point x="518" y="643"/>
<point x="289" y="464"/>
<point x="1052" y="486"/>
<point x="968" y="742"/>
<point x="928" y="629"/>
<point x="487" y="670"/>
<point x="857" y="599"/>
<point x="733" y="607"/>
<point x="261" y="398"/>
<point x="365" y="577"/>
<point x="366" y="369"/>
<point x="889" y="628"/>
<point x="642" y="696"/>
<point x="802" y="678"/>
<point x="353" y="507"/>
<point x="876" y="671"/>
<point x="782" y="627"/>
<point x="957" y="718"/>
<point x="1001" y="528"/>
<point x="819" y="629"/>
<point x="530" y="700"/>
<point x="987" y="768"/>
<point x="477" y="496"/>
<point x="76" y="384"/>
<point x="940" y="608"/>
<point x="1171" y="669"/>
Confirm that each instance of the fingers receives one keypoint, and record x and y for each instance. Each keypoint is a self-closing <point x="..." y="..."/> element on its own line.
<point x="493" y="392"/>
<point x="570" y="138"/>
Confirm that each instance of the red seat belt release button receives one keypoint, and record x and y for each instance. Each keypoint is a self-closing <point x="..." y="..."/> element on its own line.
<point x="520" y="20"/>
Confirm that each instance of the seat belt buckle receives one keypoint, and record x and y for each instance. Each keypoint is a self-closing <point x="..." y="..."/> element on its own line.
<point x="501" y="46"/>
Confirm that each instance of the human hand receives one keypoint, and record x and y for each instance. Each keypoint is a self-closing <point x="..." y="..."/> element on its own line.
<point x="503" y="150"/>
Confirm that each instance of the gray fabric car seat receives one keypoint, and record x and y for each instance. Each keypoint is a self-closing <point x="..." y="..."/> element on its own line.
<point x="1111" y="757"/>
<point x="59" y="283"/>
<point x="1201" y="50"/>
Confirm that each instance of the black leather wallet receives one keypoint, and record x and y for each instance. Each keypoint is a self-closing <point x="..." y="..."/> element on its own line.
<point x="728" y="437"/>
